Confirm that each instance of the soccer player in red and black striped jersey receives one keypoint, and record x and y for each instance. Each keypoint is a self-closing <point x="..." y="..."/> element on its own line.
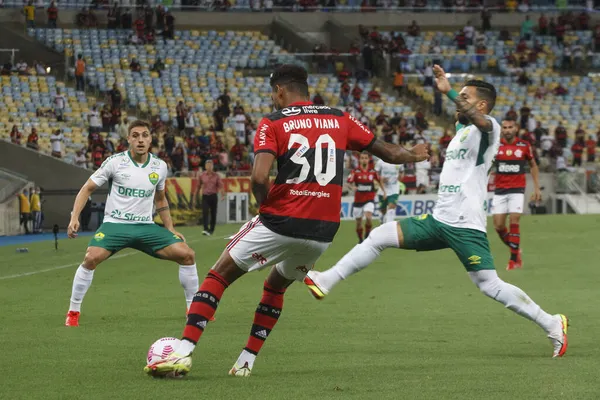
<point x="509" y="195"/>
<point x="299" y="213"/>
<point x="363" y="179"/>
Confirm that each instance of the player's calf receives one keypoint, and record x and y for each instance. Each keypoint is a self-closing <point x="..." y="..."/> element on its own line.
<point x="266" y="316"/>
<point x="183" y="255"/>
<point x="500" y="226"/>
<point x="368" y="225"/>
<point x="206" y="300"/>
<point x="82" y="282"/>
<point x="359" y="229"/>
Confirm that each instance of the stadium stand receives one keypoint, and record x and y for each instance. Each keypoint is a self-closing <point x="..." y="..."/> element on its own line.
<point x="198" y="67"/>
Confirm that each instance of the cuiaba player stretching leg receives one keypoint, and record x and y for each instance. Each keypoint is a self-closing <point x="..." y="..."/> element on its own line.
<point x="459" y="217"/>
<point x="509" y="195"/>
<point x="136" y="181"/>
<point x="363" y="180"/>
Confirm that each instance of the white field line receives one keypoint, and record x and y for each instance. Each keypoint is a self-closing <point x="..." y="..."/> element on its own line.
<point x="41" y="271"/>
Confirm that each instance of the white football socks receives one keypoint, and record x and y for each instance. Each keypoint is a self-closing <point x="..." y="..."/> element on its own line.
<point x="81" y="284"/>
<point x="512" y="297"/>
<point x="246" y="357"/>
<point x="188" y="277"/>
<point x="185" y="348"/>
<point x="390" y="215"/>
<point x="361" y="255"/>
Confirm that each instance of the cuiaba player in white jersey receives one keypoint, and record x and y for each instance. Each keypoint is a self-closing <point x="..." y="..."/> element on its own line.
<point x="390" y="175"/>
<point x="136" y="181"/>
<point x="459" y="217"/>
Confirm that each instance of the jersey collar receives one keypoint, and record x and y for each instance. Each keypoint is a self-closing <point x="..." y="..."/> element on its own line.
<point x="135" y="163"/>
<point x="301" y="103"/>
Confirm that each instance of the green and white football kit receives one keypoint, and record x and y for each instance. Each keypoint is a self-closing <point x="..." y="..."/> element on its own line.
<point x="390" y="174"/>
<point x="458" y="222"/>
<point x="128" y="218"/>
<point x="460" y="214"/>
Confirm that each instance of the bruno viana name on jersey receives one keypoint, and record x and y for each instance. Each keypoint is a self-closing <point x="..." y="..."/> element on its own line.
<point x="309" y="123"/>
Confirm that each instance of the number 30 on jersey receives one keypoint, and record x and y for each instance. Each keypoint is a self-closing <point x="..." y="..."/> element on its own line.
<point x="322" y="175"/>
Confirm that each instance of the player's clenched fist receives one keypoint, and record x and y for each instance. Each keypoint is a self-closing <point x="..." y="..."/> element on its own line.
<point x="73" y="228"/>
<point x="420" y="152"/>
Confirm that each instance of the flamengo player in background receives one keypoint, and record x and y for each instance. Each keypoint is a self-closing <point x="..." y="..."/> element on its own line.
<point x="298" y="217"/>
<point x="391" y="175"/>
<point x="136" y="183"/>
<point x="510" y="181"/>
<point x="363" y="179"/>
<point x="459" y="217"/>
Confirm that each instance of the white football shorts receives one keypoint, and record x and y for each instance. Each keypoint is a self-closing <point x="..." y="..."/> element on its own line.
<point x="357" y="212"/>
<point x="511" y="203"/>
<point x="256" y="247"/>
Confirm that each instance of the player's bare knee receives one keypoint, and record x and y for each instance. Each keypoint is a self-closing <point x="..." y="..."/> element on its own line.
<point x="188" y="257"/>
<point x="514" y="218"/>
<point x="92" y="259"/>
<point x="499" y="225"/>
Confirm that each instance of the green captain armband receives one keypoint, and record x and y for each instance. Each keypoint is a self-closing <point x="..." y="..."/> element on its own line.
<point x="452" y="94"/>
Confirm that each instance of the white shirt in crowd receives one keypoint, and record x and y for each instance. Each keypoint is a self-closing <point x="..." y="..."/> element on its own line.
<point x="240" y="122"/>
<point x="80" y="160"/>
<point x="480" y="39"/>
<point x="94" y="118"/>
<point x="59" y="102"/>
<point x="365" y="120"/>
<point x="561" y="163"/>
<point x="469" y="31"/>
<point x="39" y="69"/>
<point x="21" y="66"/>
<point x="531" y="124"/>
<point x="268" y="4"/>
<point x="56" y="140"/>
<point x="419" y="139"/>
<point x="189" y="120"/>
<point x="546" y="142"/>
<point x="428" y="73"/>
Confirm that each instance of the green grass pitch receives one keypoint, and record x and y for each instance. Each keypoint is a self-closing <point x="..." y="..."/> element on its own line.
<point x="411" y="326"/>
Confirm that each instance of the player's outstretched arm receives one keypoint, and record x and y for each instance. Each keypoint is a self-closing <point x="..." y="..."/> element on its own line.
<point x="478" y="119"/>
<point x="395" y="154"/>
<point x="260" y="175"/>
<point x="84" y="194"/>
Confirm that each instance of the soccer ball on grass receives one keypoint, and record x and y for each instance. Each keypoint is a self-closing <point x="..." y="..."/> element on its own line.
<point x="161" y="349"/>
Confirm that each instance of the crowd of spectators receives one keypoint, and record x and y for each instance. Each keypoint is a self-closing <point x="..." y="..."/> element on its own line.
<point x="22" y="68"/>
<point x="181" y="144"/>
